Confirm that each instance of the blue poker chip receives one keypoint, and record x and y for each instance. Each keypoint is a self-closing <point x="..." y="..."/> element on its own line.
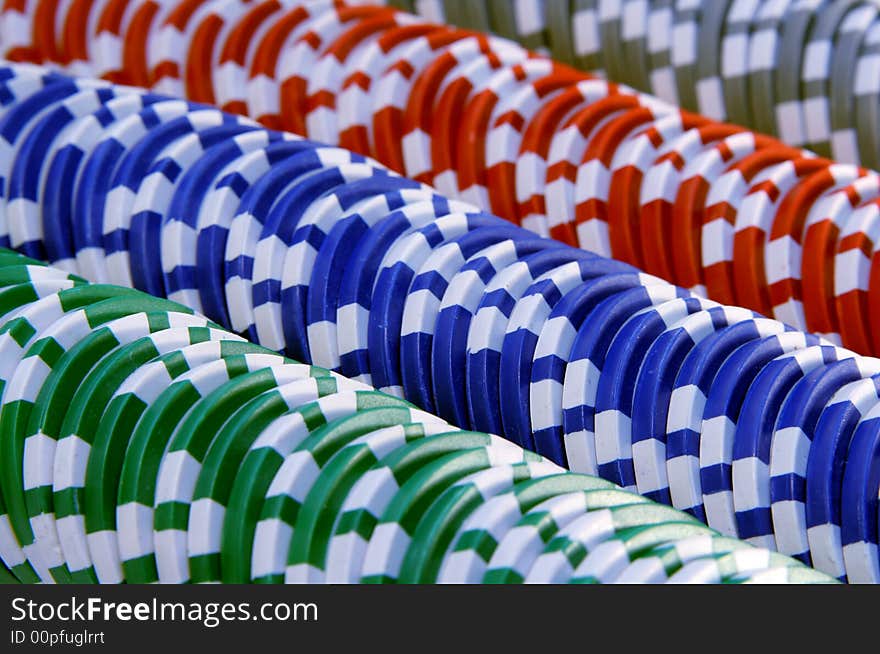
<point x="791" y="444"/>
<point x="521" y="336"/>
<point x="332" y="265"/>
<point x="221" y="208"/>
<point x="487" y="329"/>
<point x="104" y="207"/>
<point x="656" y="379"/>
<point x="859" y="502"/>
<point x="393" y="283"/>
<point x="26" y="176"/>
<point x="459" y="305"/>
<point x="64" y="169"/>
<point x="615" y="391"/>
<point x="14" y="126"/>
<point x="100" y="210"/>
<point x="688" y="400"/>
<point x="429" y="284"/>
<point x="753" y="435"/>
<point x="20" y="81"/>
<point x="156" y="195"/>
<point x="553" y="349"/>
<point x="330" y="207"/>
<point x="578" y="446"/>
<point x="247" y="225"/>
<point x="825" y="468"/>
<point x="356" y="293"/>
<point x="275" y="242"/>
<point x="721" y="415"/>
<point x="221" y="148"/>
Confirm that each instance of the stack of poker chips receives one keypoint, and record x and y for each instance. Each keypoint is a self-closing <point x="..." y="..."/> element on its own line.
<point x="730" y="214"/>
<point x="804" y="71"/>
<point x="763" y="432"/>
<point x="141" y="442"/>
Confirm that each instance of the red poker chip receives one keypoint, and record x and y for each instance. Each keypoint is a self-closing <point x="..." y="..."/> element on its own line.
<point x="691" y="199"/>
<point x="399" y="88"/>
<point x="236" y="52"/>
<point x="566" y="152"/>
<point x="354" y="103"/>
<point x="262" y="74"/>
<point x="499" y="175"/>
<point x="721" y="207"/>
<point x="659" y="189"/>
<point x="773" y="197"/>
<point x="824" y="226"/>
<point x="595" y="230"/>
<point x="531" y="164"/>
<point x="853" y="262"/>
<point x="782" y="253"/>
<point x="326" y="79"/>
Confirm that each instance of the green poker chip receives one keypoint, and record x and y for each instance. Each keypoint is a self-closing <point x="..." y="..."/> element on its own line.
<point x="6" y="577"/>
<point x="783" y="575"/>
<point x="478" y="537"/>
<point x="369" y="497"/>
<point x="13" y="258"/>
<point x="399" y="521"/>
<point x="124" y="444"/>
<point x="26" y="273"/>
<point x="604" y="562"/>
<point x="657" y="563"/>
<point x="81" y="423"/>
<point x="736" y="564"/>
<point x="631" y="517"/>
<point x="310" y="550"/>
<point x="14" y="298"/>
<point x="296" y="477"/>
<point x="220" y="472"/>
<point x="200" y="466"/>
<point x="78" y="311"/>
<point x="247" y="543"/>
<point x="189" y="403"/>
<point x="47" y="413"/>
<point x="441" y="521"/>
<point x="524" y="542"/>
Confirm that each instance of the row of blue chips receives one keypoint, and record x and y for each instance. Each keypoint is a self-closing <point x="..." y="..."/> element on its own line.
<point x="764" y="432"/>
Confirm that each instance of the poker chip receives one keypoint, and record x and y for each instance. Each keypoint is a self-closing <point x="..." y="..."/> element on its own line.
<point x="861" y="483"/>
<point x="656" y="563"/>
<point x="214" y="465"/>
<point x="58" y="388"/>
<point x="585" y="365"/>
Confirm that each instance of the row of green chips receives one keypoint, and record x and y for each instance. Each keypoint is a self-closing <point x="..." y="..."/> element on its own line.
<point x="139" y="442"/>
